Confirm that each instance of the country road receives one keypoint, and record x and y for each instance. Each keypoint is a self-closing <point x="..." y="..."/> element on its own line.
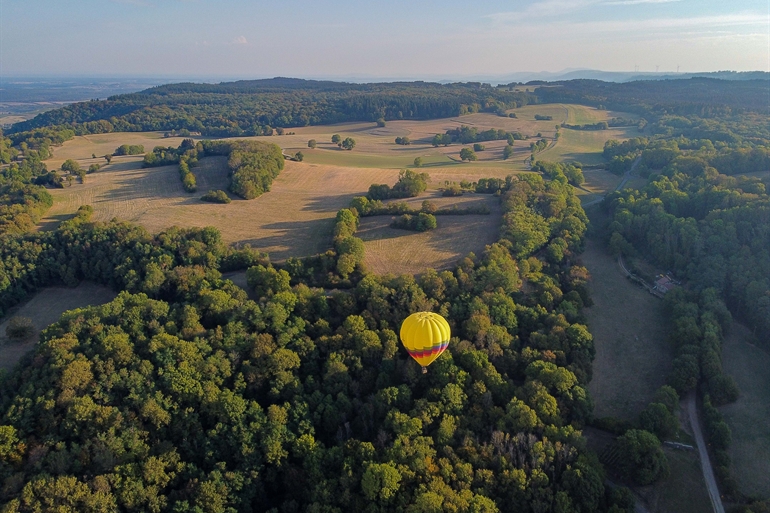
<point x="626" y="178"/>
<point x="708" y="471"/>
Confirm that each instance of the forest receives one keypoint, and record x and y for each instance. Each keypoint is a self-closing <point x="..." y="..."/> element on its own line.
<point x="250" y="108"/>
<point x="184" y="395"/>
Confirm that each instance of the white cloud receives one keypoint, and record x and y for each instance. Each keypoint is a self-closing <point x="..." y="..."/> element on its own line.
<point x="240" y="40"/>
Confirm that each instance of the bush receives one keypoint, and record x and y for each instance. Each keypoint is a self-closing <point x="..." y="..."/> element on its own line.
<point x="479" y="147"/>
<point x="422" y="222"/>
<point x="453" y="190"/>
<point x="641" y="459"/>
<point x="216" y="197"/>
<point x="19" y="328"/>
<point x="657" y="419"/>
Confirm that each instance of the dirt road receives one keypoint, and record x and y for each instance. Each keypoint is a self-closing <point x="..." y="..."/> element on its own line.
<point x="708" y="471"/>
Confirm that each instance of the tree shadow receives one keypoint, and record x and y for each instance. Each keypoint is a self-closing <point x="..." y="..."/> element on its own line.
<point x="50" y="223"/>
<point x="294" y="239"/>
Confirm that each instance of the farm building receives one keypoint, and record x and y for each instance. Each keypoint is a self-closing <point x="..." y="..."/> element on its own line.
<point x="664" y="284"/>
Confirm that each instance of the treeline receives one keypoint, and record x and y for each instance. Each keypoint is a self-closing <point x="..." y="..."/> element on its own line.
<point x="129" y="149"/>
<point x="119" y="255"/>
<point x="704" y="97"/>
<point x="409" y="184"/>
<point x="422" y="222"/>
<point x="23" y="202"/>
<point x="366" y="208"/>
<point x="467" y="134"/>
<point x="183" y="394"/>
<point x="252" y="164"/>
<point x="571" y="172"/>
<point x="736" y="157"/>
<point x="249" y="108"/>
<point x="603" y="125"/>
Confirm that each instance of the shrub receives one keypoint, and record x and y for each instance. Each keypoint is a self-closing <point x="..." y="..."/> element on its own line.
<point x="19" y="328"/>
<point x="216" y="197"/>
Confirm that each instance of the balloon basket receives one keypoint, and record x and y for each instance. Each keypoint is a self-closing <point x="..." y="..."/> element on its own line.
<point x="424" y="370"/>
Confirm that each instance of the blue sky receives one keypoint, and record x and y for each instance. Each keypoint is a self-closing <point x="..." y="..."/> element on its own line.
<point x="380" y="39"/>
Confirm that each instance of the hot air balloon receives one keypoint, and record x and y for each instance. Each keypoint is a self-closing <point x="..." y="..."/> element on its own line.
<point x="425" y="336"/>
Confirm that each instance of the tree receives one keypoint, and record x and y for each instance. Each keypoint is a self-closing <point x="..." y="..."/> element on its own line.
<point x="93" y="168"/>
<point x="19" y="328"/>
<point x="349" y="143"/>
<point x="380" y="481"/>
<point x="336" y="139"/>
<point x="311" y="144"/>
<point x="418" y="162"/>
<point x="108" y="158"/>
<point x="441" y="139"/>
<point x="70" y="165"/>
<point x="641" y="458"/>
<point x="467" y="154"/>
<point x="657" y="419"/>
<point x="507" y="152"/>
<point x="381" y="122"/>
<point x="299" y="156"/>
<point x="479" y="147"/>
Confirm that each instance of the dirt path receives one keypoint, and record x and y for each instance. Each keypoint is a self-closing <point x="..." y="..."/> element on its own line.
<point x="626" y="178"/>
<point x="708" y="471"/>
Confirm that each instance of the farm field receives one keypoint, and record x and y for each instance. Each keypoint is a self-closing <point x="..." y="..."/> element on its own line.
<point x="296" y="217"/>
<point x="632" y="356"/>
<point x="375" y="145"/>
<point x="82" y="147"/>
<point x="584" y="146"/>
<point x="44" y="309"/>
<point x="749" y="416"/>
<point x="389" y="250"/>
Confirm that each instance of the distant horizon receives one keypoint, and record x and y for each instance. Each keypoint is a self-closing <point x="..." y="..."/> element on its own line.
<point x="359" y="78"/>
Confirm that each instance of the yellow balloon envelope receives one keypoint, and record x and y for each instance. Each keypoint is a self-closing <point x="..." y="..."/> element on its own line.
<point x="425" y="336"/>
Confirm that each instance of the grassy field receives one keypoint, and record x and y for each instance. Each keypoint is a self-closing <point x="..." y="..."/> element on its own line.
<point x="632" y="356"/>
<point x="749" y="416"/>
<point x="585" y="146"/>
<point x="295" y="218"/>
<point x="683" y="491"/>
<point x="389" y="250"/>
<point x="44" y="309"/>
<point x="82" y="147"/>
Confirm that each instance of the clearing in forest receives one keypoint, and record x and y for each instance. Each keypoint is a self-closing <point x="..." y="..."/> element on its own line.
<point x="390" y="250"/>
<point x="633" y="357"/>
<point x="749" y="416"/>
<point x="44" y="309"/>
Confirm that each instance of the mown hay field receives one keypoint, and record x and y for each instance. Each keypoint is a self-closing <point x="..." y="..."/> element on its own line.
<point x="296" y="217"/>
<point x="749" y="416"/>
<point x="45" y="308"/>
<point x="390" y="250"/>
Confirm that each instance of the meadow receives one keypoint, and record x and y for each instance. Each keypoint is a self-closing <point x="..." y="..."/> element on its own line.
<point x="389" y="250"/>
<point x="295" y="218"/>
<point x="45" y="308"/>
<point x="633" y="357"/>
<point x="749" y="416"/>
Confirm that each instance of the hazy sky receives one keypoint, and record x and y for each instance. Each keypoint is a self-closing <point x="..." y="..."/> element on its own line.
<point x="395" y="38"/>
